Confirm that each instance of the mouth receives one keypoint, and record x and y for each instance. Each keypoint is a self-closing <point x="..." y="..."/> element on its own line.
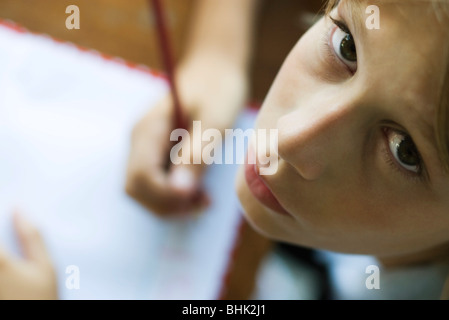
<point x="260" y="190"/>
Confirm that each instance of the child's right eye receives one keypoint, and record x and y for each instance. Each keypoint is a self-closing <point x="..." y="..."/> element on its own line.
<point x="404" y="151"/>
<point x="403" y="154"/>
<point x="343" y="45"/>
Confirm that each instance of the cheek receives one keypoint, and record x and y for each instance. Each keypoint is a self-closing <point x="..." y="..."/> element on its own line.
<point x="300" y="76"/>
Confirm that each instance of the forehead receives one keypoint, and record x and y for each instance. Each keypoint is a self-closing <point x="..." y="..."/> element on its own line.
<point x="410" y="44"/>
<point x="408" y="54"/>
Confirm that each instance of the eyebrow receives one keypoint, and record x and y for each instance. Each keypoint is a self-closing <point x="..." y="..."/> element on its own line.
<point x="352" y="12"/>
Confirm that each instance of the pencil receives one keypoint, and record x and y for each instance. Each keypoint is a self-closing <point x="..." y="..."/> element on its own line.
<point x="167" y="57"/>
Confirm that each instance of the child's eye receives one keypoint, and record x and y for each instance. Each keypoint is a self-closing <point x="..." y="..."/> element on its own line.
<point x="404" y="150"/>
<point x="343" y="45"/>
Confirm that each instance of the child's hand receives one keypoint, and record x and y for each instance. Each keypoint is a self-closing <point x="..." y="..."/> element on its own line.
<point x="30" y="278"/>
<point x="210" y="91"/>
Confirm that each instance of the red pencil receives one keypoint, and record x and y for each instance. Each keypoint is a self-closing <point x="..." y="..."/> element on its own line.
<point x="167" y="56"/>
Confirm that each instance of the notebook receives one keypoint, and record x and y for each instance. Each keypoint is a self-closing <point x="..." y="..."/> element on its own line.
<point x="66" y="114"/>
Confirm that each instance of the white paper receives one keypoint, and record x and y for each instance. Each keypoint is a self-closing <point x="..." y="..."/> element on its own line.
<point x="65" y="122"/>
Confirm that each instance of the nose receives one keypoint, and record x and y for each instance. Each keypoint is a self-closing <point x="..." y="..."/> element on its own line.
<point x="318" y="138"/>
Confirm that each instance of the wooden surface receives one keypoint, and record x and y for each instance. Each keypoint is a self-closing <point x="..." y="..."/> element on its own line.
<point x="125" y="28"/>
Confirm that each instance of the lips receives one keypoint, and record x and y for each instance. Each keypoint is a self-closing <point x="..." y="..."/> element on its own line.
<point x="261" y="191"/>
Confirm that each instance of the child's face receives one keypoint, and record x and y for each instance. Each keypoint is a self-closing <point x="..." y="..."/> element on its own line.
<point x="358" y="168"/>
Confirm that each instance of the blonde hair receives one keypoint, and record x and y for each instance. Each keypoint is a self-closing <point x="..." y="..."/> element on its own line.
<point x="441" y="8"/>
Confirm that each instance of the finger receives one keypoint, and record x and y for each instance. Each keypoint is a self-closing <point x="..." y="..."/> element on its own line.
<point x="150" y="146"/>
<point x="186" y="179"/>
<point x="164" y="198"/>
<point x="187" y="169"/>
<point x="162" y="201"/>
<point x="152" y="179"/>
<point x="171" y="194"/>
<point x="200" y="202"/>
<point x="187" y="163"/>
<point x="150" y="186"/>
<point x="32" y="244"/>
<point x="151" y="136"/>
<point x="149" y="178"/>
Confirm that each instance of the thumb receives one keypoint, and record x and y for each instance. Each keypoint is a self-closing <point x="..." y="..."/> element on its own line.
<point x="186" y="173"/>
<point x="186" y="170"/>
<point x="186" y="178"/>
<point x="31" y="241"/>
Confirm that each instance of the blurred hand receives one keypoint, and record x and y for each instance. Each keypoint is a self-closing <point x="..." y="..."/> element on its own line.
<point x="31" y="277"/>
<point x="210" y="91"/>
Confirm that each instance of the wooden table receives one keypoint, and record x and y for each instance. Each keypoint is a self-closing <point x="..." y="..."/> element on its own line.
<point x="125" y="28"/>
